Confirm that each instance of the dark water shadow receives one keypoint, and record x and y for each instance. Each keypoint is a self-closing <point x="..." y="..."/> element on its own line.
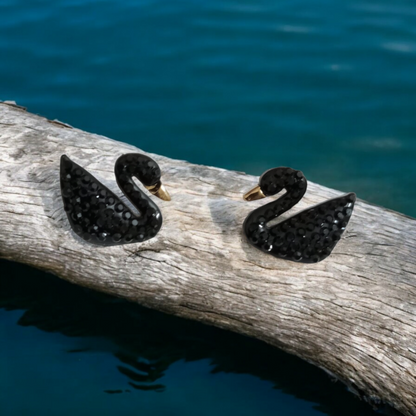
<point x="147" y="342"/>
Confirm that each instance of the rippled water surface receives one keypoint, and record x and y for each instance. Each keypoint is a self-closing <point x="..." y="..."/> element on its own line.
<point x="322" y="86"/>
<point x="75" y="352"/>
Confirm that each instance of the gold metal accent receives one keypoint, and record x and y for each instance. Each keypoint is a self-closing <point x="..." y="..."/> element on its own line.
<point x="159" y="190"/>
<point x="255" y="193"/>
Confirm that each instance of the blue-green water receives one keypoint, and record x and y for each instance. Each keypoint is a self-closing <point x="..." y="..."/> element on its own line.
<point x="75" y="352"/>
<point x="323" y="86"/>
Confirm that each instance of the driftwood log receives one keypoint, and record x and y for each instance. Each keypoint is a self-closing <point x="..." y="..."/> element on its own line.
<point x="354" y="314"/>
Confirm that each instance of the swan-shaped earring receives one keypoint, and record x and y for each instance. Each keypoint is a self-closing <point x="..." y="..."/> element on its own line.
<point x="308" y="236"/>
<point x="100" y="217"/>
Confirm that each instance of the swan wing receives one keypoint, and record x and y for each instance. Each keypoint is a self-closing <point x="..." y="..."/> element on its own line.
<point x="95" y="213"/>
<point x="311" y="235"/>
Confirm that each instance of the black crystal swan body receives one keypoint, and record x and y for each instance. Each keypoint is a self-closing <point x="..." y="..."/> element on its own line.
<point x="98" y="216"/>
<point x="307" y="237"/>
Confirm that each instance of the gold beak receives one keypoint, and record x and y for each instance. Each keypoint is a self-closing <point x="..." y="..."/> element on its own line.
<point x="159" y="190"/>
<point x="255" y="193"/>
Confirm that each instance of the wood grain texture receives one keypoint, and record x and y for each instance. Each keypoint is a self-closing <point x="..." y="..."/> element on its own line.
<point x="353" y="314"/>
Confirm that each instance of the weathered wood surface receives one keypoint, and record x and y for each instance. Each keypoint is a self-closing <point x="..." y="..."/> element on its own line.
<point x="353" y="314"/>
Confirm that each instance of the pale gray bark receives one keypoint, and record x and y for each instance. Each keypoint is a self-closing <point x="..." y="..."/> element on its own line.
<point x="353" y="314"/>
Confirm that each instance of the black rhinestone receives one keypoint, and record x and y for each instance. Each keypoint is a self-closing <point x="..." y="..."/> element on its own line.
<point x="116" y="237"/>
<point x="119" y="208"/>
<point x="290" y="237"/>
<point x="102" y="236"/>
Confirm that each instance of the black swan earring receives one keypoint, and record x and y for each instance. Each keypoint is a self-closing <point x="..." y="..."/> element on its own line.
<point x="100" y="217"/>
<point x="309" y="236"/>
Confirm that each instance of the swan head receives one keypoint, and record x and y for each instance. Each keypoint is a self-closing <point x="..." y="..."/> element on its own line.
<point x="275" y="180"/>
<point x="145" y="169"/>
